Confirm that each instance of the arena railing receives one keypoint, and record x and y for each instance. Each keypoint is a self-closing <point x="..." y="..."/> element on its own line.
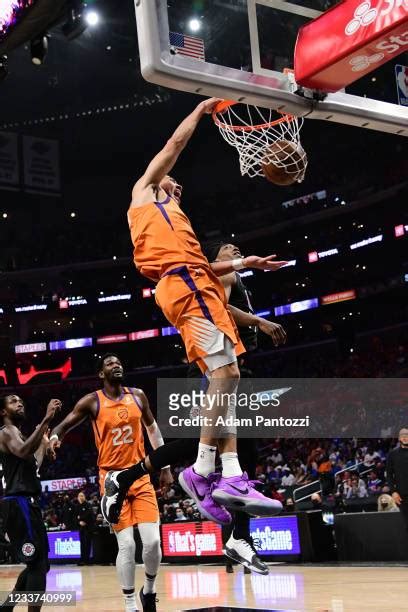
<point x="317" y="482"/>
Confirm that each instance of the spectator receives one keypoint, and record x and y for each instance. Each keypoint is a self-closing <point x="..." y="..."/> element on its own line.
<point x="357" y="489"/>
<point x="68" y="515"/>
<point x="397" y="474"/>
<point x="300" y="475"/>
<point x="272" y="492"/>
<point x="276" y="456"/>
<point x="288" y="479"/>
<point x="51" y="519"/>
<point x="387" y="504"/>
<point x="95" y="504"/>
<point x="192" y="514"/>
<point x="374" y="484"/>
<point x="85" y="518"/>
<point x="179" y="515"/>
<point x="369" y="458"/>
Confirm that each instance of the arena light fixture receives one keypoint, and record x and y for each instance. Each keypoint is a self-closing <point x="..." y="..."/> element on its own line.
<point x="194" y="25"/>
<point x="39" y="49"/>
<point x="92" y="18"/>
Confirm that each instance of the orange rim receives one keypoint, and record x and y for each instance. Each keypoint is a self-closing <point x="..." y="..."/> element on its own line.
<point x="222" y="106"/>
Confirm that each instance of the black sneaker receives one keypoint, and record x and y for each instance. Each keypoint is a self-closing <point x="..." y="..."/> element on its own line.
<point x="113" y="498"/>
<point x="148" y="601"/>
<point x="243" y="552"/>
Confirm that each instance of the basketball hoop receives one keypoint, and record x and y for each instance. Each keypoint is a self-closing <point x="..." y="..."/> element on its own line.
<point x="262" y="137"/>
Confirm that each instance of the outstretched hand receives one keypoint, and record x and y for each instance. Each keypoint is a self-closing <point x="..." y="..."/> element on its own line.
<point x="52" y="447"/>
<point x="263" y="263"/>
<point x="274" y="330"/>
<point x="53" y="407"/>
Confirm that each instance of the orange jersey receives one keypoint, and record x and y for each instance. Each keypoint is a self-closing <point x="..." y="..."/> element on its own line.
<point x="163" y="239"/>
<point x="118" y="430"/>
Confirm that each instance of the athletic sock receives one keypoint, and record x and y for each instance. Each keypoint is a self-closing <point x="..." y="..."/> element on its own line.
<point x="230" y="465"/>
<point x="149" y="584"/>
<point x="205" y="462"/>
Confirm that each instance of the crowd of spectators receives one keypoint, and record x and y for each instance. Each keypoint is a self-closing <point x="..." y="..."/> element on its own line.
<point x="337" y="474"/>
<point x="343" y="474"/>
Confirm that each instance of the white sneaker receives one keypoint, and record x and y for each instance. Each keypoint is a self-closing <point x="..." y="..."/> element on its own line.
<point x="130" y="603"/>
<point x="244" y="552"/>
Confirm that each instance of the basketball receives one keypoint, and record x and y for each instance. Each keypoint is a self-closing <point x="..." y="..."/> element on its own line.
<point x="284" y="163"/>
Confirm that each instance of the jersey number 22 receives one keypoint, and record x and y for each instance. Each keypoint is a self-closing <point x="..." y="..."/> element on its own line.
<point x="122" y="435"/>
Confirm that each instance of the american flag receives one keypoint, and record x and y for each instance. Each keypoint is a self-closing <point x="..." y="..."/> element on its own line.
<point x="189" y="46"/>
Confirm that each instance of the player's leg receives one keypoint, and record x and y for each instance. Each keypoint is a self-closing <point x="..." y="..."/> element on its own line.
<point x="239" y="544"/>
<point x="27" y="534"/>
<point x="152" y="555"/>
<point x="36" y="580"/>
<point x="199" y="480"/>
<point x="126" y="566"/>
<point x="125" y="559"/>
<point x="145" y="513"/>
<point x="234" y="490"/>
<point x="117" y="483"/>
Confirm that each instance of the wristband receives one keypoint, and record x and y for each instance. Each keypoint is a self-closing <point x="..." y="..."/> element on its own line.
<point x="54" y="437"/>
<point x="238" y="264"/>
<point x="166" y="467"/>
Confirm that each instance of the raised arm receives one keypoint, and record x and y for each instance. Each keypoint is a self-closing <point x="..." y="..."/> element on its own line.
<point x="82" y="409"/>
<point x="42" y="449"/>
<point x="164" y="161"/>
<point x="14" y="443"/>
<point x="253" y="261"/>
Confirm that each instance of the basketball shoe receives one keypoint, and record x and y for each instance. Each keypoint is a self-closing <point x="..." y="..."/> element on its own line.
<point x="243" y="551"/>
<point x="148" y="601"/>
<point x="239" y="493"/>
<point x="113" y="498"/>
<point x="199" y="488"/>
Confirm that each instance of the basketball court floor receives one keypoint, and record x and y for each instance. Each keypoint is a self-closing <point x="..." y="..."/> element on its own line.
<point x="209" y="588"/>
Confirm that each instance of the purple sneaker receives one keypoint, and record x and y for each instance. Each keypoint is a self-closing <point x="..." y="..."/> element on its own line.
<point x="239" y="493"/>
<point x="199" y="488"/>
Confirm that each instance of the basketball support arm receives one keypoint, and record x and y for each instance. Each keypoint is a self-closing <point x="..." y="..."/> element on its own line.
<point x="276" y="90"/>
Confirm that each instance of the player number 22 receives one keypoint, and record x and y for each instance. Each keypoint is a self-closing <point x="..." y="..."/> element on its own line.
<point x="122" y="432"/>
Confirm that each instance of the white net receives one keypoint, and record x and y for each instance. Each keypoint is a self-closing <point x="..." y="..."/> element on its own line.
<point x="261" y="139"/>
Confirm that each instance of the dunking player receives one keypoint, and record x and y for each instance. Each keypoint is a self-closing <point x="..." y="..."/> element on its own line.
<point x="117" y="414"/>
<point x="239" y="545"/>
<point x="192" y="298"/>
<point x="23" y="522"/>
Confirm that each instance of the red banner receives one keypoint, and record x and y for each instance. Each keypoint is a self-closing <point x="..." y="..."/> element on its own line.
<point x="64" y="370"/>
<point x="144" y="334"/>
<point x="342" y="296"/>
<point x="348" y="41"/>
<point x="192" y="539"/>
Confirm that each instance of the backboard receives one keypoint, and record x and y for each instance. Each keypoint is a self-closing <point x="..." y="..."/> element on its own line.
<point x="237" y="49"/>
